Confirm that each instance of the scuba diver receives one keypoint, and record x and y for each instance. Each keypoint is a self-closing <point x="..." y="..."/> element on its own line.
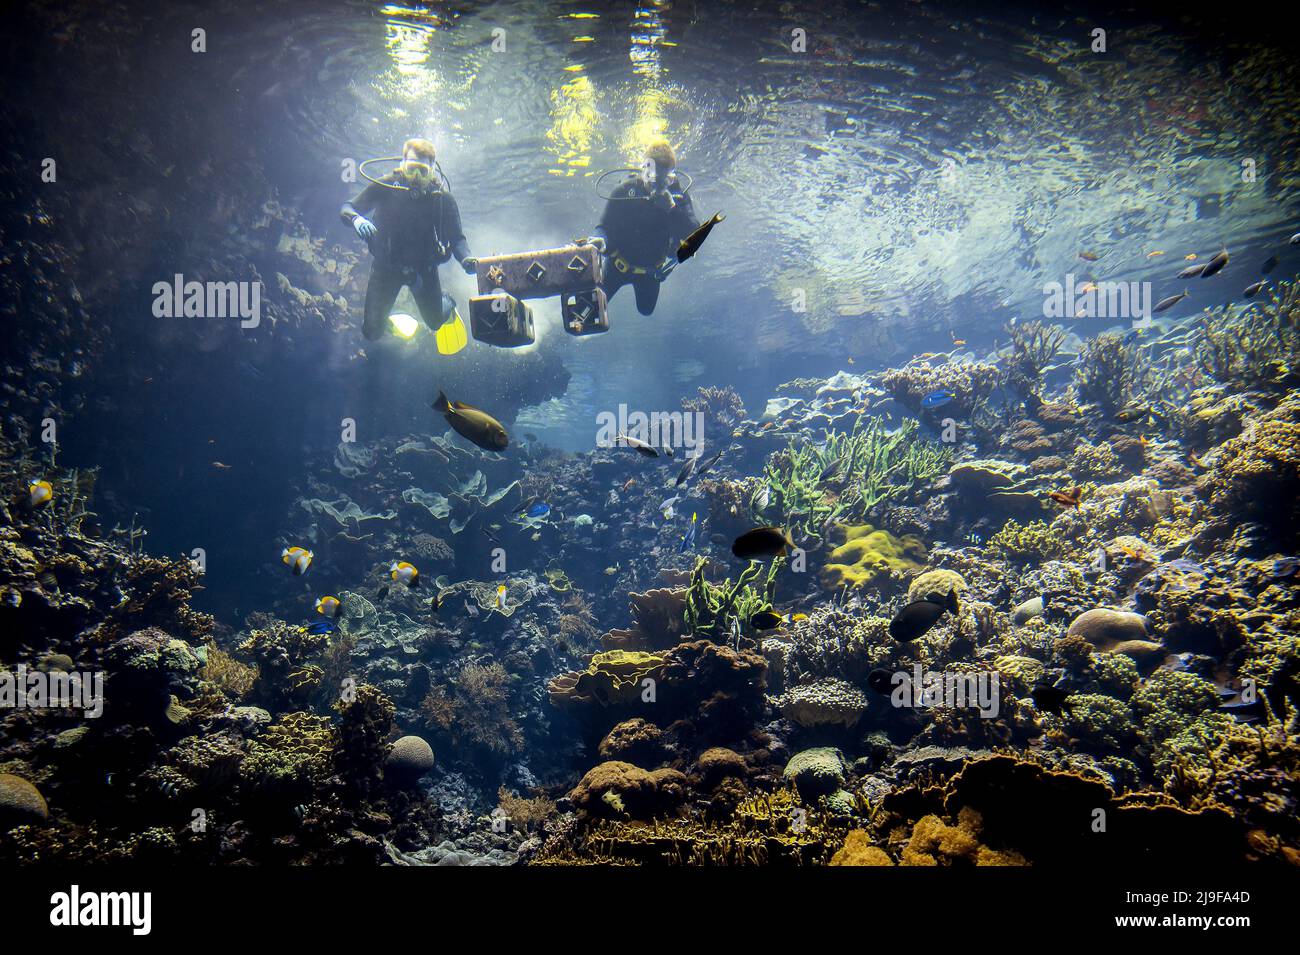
<point x="411" y="224"/>
<point x="645" y="220"/>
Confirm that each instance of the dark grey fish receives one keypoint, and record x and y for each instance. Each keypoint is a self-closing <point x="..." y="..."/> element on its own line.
<point x="881" y="680"/>
<point x="916" y="619"/>
<point x="831" y="470"/>
<point x="1269" y="264"/>
<point x="686" y="470"/>
<point x="1215" y="264"/>
<point x="691" y="244"/>
<point x="709" y="463"/>
<point x="1192" y="271"/>
<point x="1167" y="303"/>
<point x="1051" y="699"/>
<point x="1254" y="289"/>
<point x="761" y="542"/>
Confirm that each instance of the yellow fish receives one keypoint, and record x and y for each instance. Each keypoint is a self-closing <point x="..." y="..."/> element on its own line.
<point x="328" y="606"/>
<point x="39" y="493"/>
<point x="404" y="573"/>
<point x="297" y="558"/>
<point x="501" y="596"/>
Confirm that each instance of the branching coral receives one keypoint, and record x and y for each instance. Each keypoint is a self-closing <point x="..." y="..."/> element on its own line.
<point x="1112" y="374"/>
<point x="847" y="475"/>
<point x="1257" y="347"/>
<point x="717" y="611"/>
<point x="1033" y="346"/>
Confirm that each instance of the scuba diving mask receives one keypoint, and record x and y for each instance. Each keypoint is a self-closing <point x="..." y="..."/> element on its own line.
<point x="657" y="184"/>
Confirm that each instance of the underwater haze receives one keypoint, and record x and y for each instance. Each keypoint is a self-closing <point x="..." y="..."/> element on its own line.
<point x="648" y="433"/>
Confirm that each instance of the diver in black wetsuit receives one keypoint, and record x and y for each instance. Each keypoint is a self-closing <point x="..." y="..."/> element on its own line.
<point x="645" y="219"/>
<point x="412" y="225"/>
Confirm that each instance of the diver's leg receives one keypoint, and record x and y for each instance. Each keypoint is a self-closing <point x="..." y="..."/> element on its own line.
<point x="426" y="289"/>
<point x="647" y="294"/>
<point x="381" y="293"/>
<point x="614" y="279"/>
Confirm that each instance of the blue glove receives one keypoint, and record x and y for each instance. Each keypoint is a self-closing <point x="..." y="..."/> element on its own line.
<point x="365" y="228"/>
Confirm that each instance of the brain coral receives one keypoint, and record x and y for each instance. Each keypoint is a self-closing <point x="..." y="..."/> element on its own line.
<point x="866" y="556"/>
<point x="825" y="702"/>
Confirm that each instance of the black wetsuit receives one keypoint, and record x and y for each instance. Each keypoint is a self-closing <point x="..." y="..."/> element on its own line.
<point x="641" y="233"/>
<point x="416" y="231"/>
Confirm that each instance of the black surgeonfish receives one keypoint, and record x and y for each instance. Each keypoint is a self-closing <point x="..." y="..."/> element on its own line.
<point x="916" y="619"/>
<point x="761" y="542"/>
<point x="691" y="244"/>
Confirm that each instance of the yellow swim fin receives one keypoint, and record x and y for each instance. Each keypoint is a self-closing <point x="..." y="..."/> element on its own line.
<point x="451" y="336"/>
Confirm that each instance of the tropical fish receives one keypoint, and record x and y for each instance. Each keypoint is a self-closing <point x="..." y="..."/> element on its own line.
<point x="641" y="447"/>
<point x="688" y="540"/>
<point x="881" y="680"/>
<point x="831" y="470"/>
<point x="937" y="399"/>
<point x="700" y="471"/>
<point x="221" y="466"/>
<point x="916" y="619"/>
<point x="1133" y="411"/>
<point x="629" y="484"/>
<point x="297" y="558"/>
<point x="1167" y="303"/>
<point x="1269" y="264"/>
<point x="1191" y="271"/>
<point x="39" y="493"/>
<point x="1152" y="255"/>
<point x="668" y="509"/>
<point x="404" y="573"/>
<point x="382" y="593"/>
<point x="501" y="596"/>
<point x="1254" y="289"/>
<point x="321" y="627"/>
<point x="1051" y="699"/>
<point x="1295" y="239"/>
<point x="1089" y="256"/>
<point x="1215" y="264"/>
<point x="770" y="619"/>
<point x="1068" y="498"/>
<point x="537" y="510"/>
<point x="473" y="425"/>
<point x="761" y="542"/>
<point x="686" y="470"/>
<point x="691" y="244"/>
<point x="328" y="606"/>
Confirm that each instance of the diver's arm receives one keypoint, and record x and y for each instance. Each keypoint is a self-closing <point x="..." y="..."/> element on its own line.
<point x="362" y="205"/>
<point x="452" y="233"/>
<point x="685" y="221"/>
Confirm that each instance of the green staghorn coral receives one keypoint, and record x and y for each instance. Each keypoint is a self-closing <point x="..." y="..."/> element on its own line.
<point x="847" y="475"/>
<point x="715" y="611"/>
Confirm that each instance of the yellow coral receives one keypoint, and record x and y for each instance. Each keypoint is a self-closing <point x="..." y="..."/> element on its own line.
<point x="859" y="850"/>
<point x="866" y="556"/>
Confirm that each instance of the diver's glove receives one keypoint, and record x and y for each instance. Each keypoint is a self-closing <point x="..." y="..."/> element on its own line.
<point x="469" y="264"/>
<point x="664" y="200"/>
<point x="665" y="269"/>
<point x="596" y="241"/>
<point x="365" y="228"/>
